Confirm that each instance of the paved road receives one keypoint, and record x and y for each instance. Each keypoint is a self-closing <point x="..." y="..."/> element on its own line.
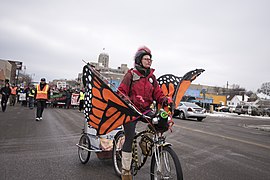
<point x="218" y="148"/>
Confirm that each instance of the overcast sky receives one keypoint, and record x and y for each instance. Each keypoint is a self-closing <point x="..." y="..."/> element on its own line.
<point x="229" y="39"/>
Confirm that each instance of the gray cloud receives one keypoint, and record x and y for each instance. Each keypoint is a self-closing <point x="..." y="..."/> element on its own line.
<point x="229" y="39"/>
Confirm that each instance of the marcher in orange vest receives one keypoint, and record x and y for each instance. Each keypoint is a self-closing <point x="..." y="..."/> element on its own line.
<point x="13" y="94"/>
<point x="42" y="94"/>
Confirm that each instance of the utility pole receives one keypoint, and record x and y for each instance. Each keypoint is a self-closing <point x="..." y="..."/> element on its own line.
<point x="203" y="92"/>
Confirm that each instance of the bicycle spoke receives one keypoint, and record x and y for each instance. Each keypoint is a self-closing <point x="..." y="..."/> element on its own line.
<point x="168" y="166"/>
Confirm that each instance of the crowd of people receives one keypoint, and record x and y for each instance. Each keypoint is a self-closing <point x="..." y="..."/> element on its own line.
<point x="40" y="96"/>
<point x="13" y="94"/>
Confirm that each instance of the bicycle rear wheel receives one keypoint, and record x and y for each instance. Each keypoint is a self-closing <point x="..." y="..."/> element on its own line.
<point x="84" y="155"/>
<point x="119" y="140"/>
<point x="170" y="167"/>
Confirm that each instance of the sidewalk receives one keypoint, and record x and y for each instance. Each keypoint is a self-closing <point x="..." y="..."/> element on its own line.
<point x="259" y="127"/>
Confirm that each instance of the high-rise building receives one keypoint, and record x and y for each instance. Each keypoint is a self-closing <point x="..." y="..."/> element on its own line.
<point x="103" y="59"/>
<point x="112" y="75"/>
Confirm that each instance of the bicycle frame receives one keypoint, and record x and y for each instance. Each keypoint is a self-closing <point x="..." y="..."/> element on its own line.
<point x="158" y="141"/>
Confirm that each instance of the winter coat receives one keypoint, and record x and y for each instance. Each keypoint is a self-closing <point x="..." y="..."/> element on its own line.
<point x="140" y="89"/>
<point x="5" y="91"/>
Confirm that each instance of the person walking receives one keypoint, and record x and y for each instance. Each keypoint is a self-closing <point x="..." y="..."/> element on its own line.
<point x="42" y="94"/>
<point x="31" y="95"/>
<point x="68" y="99"/>
<point x="5" y="92"/>
<point x="23" y="96"/>
<point x="141" y="87"/>
<point x="13" y="94"/>
<point x="81" y="100"/>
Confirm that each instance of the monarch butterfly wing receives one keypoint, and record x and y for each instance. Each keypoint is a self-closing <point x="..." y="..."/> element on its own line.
<point x="175" y="87"/>
<point x="168" y="84"/>
<point x="104" y="109"/>
<point x="184" y="84"/>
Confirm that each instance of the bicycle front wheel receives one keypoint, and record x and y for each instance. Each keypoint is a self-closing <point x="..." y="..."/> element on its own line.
<point x="166" y="165"/>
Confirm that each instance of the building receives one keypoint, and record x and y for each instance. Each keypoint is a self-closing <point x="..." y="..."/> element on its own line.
<point x="113" y="76"/>
<point x="238" y="100"/>
<point x="206" y="96"/>
<point x="263" y="96"/>
<point x="5" y="71"/>
<point x="15" y="71"/>
<point x="209" y="89"/>
<point x="2" y="77"/>
<point x="9" y="70"/>
<point x="195" y="95"/>
<point x="103" y="59"/>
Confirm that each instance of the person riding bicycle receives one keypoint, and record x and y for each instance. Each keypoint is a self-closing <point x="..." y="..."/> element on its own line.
<point x="141" y="87"/>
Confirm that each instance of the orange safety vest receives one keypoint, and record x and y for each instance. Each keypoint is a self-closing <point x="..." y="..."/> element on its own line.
<point x="42" y="94"/>
<point x="13" y="90"/>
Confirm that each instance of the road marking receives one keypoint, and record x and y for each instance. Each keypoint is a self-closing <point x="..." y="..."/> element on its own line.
<point x="225" y="137"/>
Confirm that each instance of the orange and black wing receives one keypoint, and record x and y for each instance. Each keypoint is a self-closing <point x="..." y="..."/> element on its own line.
<point x="168" y="84"/>
<point x="175" y="87"/>
<point x="104" y="109"/>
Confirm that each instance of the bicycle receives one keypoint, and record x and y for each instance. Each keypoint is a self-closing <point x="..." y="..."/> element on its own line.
<point x="152" y="142"/>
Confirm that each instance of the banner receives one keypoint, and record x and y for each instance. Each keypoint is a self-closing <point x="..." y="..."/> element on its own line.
<point x="74" y="98"/>
<point x="22" y="96"/>
<point x="58" y="97"/>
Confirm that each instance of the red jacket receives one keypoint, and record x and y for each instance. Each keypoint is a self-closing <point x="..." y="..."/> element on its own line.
<point x="141" y="90"/>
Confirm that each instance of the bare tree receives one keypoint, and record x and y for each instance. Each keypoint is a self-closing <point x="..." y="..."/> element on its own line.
<point x="235" y="90"/>
<point x="265" y="88"/>
<point x="24" y="79"/>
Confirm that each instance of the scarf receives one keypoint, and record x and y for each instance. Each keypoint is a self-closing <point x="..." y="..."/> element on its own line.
<point x="145" y="72"/>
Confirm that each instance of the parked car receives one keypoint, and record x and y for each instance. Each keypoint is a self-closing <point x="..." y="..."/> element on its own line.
<point x="241" y="109"/>
<point x="247" y="109"/>
<point x="254" y="111"/>
<point x="232" y="109"/>
<point x="189" y="110"/>
<point x="266" y="112"/>
<point x="223" y="109"/>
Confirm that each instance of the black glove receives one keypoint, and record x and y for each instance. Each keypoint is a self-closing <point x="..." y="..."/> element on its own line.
<point x="165" y="102"/>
